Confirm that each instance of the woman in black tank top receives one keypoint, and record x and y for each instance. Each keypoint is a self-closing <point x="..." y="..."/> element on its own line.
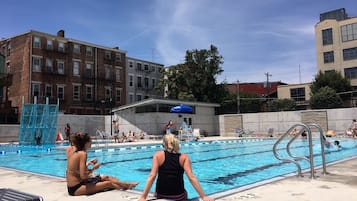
<point x="170" y="165"/>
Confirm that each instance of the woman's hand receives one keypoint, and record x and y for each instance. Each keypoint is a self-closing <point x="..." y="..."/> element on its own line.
<point x="142" y="199"/>
<point x="206" y="198"/>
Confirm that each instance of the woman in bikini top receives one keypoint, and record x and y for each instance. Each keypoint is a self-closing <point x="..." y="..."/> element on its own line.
<point x="78" y="175"/>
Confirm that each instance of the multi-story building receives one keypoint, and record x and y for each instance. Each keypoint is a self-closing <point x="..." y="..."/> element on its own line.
<point x="336" y="44"/>
<point x="82" y="77"/>
<point x="298" y="92"/>
<point x="142" y="78"/>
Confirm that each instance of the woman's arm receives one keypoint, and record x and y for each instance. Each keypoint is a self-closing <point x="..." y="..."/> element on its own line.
<point x="83" y="170"/>
<point x="152" y="176"/>
<point x="186" y="163"/>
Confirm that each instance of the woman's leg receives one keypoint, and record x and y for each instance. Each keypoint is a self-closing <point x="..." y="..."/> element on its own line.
<point x="121" y="184"/>
<point x="90" y="189"/>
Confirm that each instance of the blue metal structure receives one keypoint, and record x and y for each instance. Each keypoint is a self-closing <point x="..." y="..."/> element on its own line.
<point x="38" y="124"/>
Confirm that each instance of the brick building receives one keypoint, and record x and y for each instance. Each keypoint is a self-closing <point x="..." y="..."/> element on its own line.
<point x="83" y="78"/>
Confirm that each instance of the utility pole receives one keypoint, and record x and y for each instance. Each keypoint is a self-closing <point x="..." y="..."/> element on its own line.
<point x="238" y="98"/>
<point x="267" y="88"/>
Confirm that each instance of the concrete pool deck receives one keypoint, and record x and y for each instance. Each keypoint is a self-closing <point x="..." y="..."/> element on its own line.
<point x="339" y="184"/>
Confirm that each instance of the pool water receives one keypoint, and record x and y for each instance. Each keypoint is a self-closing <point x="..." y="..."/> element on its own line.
<point x="219" y="165"/>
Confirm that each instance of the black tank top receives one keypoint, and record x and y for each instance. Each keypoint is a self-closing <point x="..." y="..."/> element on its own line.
<point x="170" y="179"/>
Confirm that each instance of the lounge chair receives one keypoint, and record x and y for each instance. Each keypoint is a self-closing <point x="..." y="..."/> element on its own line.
<point x="9" y="194"/>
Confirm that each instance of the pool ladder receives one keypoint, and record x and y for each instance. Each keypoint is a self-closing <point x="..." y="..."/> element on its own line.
<point x="294" y="159"/>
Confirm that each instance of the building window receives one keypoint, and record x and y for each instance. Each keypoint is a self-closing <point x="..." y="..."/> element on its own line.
<point x="89" y="51"/>
<point x="153" y="68"/>
<point x="118" y="57"/>
<point x="131" y="80"/>
<point x="117" y="95"/>
<point x="76" y="92"/>
<point x="146" y="82"/>
<point x="153" y="82"/>
<point x="117" y="74"/>
<point x="351" y="73"/>
<point x="138" y="66"/>
<point x="89" y="69"/>
<point x="107" y="72"/>
<point x="139" y="97"/>
<point x="327" y="37"/>
<point x="298" y="94"/>
<point x="108" y="55"/>
<point x="76" y="48"/>
<point x="60" y="46"/>
<point x="108" y="92"/>
<point x="76" y="68"/>
<point x="48" y="91"/>
<point x="349" y="54"/>
<point x="36" y="42"/>
<point x="49" y="65"/>
<point x="60" y="67"/>
<point x="89" y="92"/>
<point x="131" y="64"/>
<point x="49" y="44"/>
<point x="36" y="89"/>
<point x="146" y="67"/>
<point x="36" y="64"/>
<point x="329" y="57"/>
<point x="131" y="98"/>
<point x="139" y="82"/>
<point x="60" y="92"/>
<point x="349" y="32"/>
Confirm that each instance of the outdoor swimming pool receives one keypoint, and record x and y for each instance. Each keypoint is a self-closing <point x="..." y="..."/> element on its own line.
<point x="219" y="165"/>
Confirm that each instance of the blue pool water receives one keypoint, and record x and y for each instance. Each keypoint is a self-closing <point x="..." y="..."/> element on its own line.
<point x="219" y="165"/>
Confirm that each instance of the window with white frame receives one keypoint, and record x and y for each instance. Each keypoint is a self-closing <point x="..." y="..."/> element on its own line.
<point x="60" y="92"/>
<point x="117" y="74"/>
<point x="36" y="64"/>
<point x="49" y="65"/>
<point x="61" y="46"/>
<point x="146" y="82"/>
<point x="108" y="92"/>
<point x="140" y="84"/>
<point x="153" y="83"/>
<point x="89" y="51"/>
<point x="108" y="55"/>
<point x="89" y="92"/>
<point x="118" y="94"/>
<point x="131" y="98"/>
<point x="76" y="68"/>
<point x="76" y="48"/>
<point x="107" y="72"/>
<point x="60" y="67"/>
<point x="117" y="57"/>
<point x="76" y="92"/>
<point x="89" y="69"/>
<point x="131" y="64"/>
<point x="48" y="90"/>
<point x="49" y="44"/>
<point x="37" y="42"/>
<point x="131" y="80"/>
<point x="35" y="89"/>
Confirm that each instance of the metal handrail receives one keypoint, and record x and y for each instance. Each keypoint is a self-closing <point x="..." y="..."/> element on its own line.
<point x="286" y="159"/>
<point x="322" y="141"/>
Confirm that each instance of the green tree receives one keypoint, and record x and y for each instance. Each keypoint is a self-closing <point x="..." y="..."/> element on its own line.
<point x="282" y="105"/>
<point x="196" y="78"/>
<point x="325" y="98"/>
<point x="334" y="81"/>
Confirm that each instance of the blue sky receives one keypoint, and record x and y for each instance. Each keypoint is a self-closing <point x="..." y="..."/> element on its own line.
<point x="254" y="37"/>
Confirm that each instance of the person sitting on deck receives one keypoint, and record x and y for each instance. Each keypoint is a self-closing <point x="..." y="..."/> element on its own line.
<point x="79" y="176"/>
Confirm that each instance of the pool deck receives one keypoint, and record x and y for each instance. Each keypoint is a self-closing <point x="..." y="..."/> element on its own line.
<point x="339" y="184"/>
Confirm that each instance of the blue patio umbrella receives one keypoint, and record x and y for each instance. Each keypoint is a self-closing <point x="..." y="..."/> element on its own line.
<point x="181" y="109"/>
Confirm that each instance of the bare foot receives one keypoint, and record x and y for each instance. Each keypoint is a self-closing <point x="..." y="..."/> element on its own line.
<point x="129" y="185"/>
